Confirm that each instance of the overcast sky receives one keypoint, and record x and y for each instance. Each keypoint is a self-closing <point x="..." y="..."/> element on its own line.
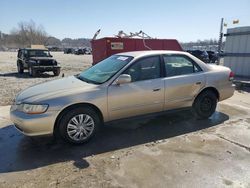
<point x="184" y="20"/>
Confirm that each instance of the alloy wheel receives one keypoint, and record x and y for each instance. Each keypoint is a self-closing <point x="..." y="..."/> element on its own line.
<point x="80" y="127"/>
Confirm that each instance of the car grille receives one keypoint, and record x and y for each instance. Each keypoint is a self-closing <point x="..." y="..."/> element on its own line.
<point x="46" y="62"/>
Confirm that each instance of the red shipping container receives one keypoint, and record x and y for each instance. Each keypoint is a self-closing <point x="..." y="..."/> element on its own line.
<point x="105" y="47"/>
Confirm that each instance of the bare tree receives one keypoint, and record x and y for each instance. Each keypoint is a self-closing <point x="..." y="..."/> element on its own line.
<point x="28" y="33"/>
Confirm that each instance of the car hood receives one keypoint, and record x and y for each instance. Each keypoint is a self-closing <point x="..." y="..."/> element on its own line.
<point x="41" y="58"/>
<point x="51" y="89"/>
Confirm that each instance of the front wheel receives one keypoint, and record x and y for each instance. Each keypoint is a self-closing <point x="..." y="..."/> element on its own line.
<point x="56" y="72"/>
<point x="77" y="126"/>
<point x="20" y="68"/>
<point x="205" y="104"/>
<point x="32" y="72"/>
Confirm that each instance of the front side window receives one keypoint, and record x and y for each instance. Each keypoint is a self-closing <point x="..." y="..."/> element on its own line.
<point x="19" y="53"/>
<point x="145" y="69"/>
<point x="104" y="70"/>
<point x="179" y="65"/>
<point x="23" y="54"/>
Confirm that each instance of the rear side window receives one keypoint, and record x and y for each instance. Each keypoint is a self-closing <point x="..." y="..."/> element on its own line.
<point x="179" y="65"/>
<point x="145" y="69"/>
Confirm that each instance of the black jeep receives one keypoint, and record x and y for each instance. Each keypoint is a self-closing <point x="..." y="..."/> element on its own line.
<point x="36" y="61"/>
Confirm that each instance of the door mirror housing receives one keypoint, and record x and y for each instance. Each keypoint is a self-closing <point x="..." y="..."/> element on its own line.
<point x="123" y="79"/>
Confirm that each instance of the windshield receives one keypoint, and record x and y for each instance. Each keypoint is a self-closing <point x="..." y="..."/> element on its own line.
<point x="104" y="70"/>
<point x="39" y="53"/>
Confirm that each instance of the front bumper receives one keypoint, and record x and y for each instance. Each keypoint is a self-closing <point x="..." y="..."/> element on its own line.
<point x="46" y="68"/>
<point x="34" y="124"/>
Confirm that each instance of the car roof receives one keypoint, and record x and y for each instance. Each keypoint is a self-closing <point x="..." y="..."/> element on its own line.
<point x="150" y="52"/>
<point x="138" y="54"/>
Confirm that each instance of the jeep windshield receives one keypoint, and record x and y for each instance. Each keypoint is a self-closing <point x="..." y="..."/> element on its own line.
<point x="38" y="53"/>
<point x="104" y="70"/>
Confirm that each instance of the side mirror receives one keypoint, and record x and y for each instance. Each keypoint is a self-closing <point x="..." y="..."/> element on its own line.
<point x="123" y="79"/>
<point x="50" y="55"/>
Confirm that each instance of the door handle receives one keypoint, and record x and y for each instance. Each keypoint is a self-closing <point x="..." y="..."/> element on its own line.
<point x="157" y="89"/>
<point x="198" y="83"/>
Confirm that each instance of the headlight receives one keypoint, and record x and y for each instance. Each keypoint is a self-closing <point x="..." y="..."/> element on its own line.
<point x="32" y="108"/>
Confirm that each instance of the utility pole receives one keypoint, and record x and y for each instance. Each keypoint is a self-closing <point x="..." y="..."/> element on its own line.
<point x="220" y="39"/>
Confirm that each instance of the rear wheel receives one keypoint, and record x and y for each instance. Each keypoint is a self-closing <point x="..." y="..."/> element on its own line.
<point x="20" y="68"/>
<point x="205" y="104"/>
<point x="79" y="125"/>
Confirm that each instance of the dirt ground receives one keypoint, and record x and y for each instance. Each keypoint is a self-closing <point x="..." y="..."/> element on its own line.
<point x="11" y="82"/>
<point x="173" y="150"/>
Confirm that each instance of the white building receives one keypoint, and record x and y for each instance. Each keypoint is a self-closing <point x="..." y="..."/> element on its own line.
<point x="237" y="50"/>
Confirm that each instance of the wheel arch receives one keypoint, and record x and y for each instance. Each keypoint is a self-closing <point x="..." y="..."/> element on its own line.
<point x="210" y="88"/>
<point x="19" y="62"/>
<point x="60" y="115"/>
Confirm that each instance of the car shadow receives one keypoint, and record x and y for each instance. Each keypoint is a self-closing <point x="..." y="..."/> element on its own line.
<point x="25" y="75"/>
<point x="19" y="153"/>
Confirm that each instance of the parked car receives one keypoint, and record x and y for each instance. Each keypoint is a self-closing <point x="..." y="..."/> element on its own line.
<point x="36" y="61"/>
<point x="54" y="48"/>
<point x="124" y="85"/>
<point x="213" y="56"/>
<point x="68" y="51"/>
<point x="200" y="54"/>
<point x="80" y="51"/>
<point x="88" y="51"/>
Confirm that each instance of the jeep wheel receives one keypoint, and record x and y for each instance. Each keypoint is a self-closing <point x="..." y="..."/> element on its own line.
<point x="19" y="68"/>
<point x="32" y="72"/>
<point x="78" y="125"/>
<point x="56" y="72"/>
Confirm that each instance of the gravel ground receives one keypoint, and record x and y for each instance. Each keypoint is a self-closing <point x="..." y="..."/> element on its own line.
<point x="11" y="82"/>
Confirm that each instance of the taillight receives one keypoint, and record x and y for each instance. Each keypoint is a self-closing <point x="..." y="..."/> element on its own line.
<point x="231" y="76"/>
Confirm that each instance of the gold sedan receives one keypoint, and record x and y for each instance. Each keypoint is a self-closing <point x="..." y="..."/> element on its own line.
<point x="121" y="86"/>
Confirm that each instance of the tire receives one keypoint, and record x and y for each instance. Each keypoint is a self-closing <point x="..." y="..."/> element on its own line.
<point x="20" y="68"/>
<point x="205" y="104"/>
<point x="56" y="72"/>
<point x="32" y="72"/>
<point x="73" y="133"/>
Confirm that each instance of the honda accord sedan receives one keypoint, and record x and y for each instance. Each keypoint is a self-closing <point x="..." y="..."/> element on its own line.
<point x="122" y="86"/>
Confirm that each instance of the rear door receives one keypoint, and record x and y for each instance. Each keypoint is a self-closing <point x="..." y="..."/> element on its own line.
<point x="145" y="94"/>
<point x="184" y="79"/>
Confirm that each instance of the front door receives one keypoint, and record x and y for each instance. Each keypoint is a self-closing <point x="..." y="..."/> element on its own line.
<point x="145" y="94"/>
